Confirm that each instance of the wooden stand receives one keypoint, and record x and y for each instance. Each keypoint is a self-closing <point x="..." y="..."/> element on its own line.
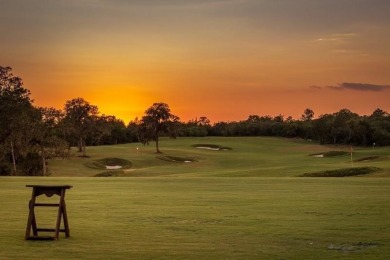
<point x="49" y="191"/>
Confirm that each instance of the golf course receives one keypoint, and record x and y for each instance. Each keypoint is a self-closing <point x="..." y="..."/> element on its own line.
<point x="209" y="198"/>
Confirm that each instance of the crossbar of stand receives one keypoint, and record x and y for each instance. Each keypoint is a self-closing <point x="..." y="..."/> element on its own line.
<point x="48" y="191"/>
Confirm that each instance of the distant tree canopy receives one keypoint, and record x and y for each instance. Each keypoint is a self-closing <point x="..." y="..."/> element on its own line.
<point x="29" y="135"/>
<point x="342" y="127"/>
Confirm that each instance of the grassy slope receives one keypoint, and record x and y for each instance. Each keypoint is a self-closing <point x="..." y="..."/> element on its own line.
<point x="271" y="157"/>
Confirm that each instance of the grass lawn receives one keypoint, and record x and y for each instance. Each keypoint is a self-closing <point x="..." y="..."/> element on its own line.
<point x="249" y="157"/>
<point x="244" y="203"/>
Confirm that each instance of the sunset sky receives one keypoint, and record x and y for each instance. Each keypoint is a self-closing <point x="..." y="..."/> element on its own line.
<point x="223" y="59"/>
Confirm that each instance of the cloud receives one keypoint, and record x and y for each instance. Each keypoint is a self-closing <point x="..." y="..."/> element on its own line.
<point x="354" y="87"/>
<point x="360" y="87"/>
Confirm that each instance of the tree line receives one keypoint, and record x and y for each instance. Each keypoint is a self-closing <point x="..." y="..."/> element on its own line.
<point x="341" y="128"/>
<point x="30" y="135"/>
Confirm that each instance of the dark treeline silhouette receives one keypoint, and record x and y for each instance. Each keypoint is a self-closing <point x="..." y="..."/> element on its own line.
<point x="30" y="135"/>
<point x="342" y="127"/>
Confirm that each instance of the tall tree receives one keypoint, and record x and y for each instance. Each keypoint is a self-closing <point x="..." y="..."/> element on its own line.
<point x="80" y="115"/>
<point x="341" y="130"/>
<point x="379" y="122"/>
<point x="47" y="135"/>
<point x="307" y="115"/>
<point x="158" y="120"/>
<point x="15" y="107"/>
<point x="307" y="123"/>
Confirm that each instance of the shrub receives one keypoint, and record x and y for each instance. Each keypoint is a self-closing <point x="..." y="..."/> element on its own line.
<point x="31" y="165"/>
<point x="109" y="174"/>
<point x="343" y="172"/>
<point x="5" y="169"/>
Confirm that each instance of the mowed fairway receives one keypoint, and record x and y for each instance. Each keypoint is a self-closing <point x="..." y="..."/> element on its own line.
<point x="244" y="203"/>
<point x="249" y="157"/>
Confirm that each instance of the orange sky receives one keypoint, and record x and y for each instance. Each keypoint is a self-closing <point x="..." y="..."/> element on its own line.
<point x="224" y="59"/>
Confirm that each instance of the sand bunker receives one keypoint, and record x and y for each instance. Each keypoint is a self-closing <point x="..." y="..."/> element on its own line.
<point x="329" y="154"/>
<point x="213" y="147"/>
<point x="109" y="164"/>
<point x="113" y="167"/>
<point x="208" y="148"/>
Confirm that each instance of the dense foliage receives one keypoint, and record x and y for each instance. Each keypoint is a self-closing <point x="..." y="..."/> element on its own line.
<point x="30" y="135"/>
<point x="342" y="127"/>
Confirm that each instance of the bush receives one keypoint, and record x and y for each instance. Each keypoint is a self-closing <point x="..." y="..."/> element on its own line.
<point x="31" y="165"/>
<point x="343" y="172"/>
<point x="5" y="169"/>
<point x="109" y="174"/>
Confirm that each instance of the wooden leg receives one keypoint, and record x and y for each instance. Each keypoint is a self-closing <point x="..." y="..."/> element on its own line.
<point x="59" y="214"/>
<point x="34" y="224"/>
<point x="31" y="216"/>
<point x="66" y="225"/>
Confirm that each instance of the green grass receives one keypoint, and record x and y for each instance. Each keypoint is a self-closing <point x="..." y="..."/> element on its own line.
<point x="243" y="203"/>
<point x="248" y="157"/>
<point x="205" y="218"/>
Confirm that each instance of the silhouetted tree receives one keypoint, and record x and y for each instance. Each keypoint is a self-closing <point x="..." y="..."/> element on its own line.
<point x="307" y="124"/>
<point x="80" y="115"/>
<point x="158" y="120"/>
<point x="47" y="135"/>
<point x="379" y="122"/>
<point x="307" y="115"/>
<point x="15" y="111"/>
<point x="341" y="130"/>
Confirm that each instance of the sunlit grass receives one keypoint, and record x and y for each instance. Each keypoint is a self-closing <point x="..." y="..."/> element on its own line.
<point x="243" y="203"/>
<point x="205" y="218"/>
<point x="248" y="157"/>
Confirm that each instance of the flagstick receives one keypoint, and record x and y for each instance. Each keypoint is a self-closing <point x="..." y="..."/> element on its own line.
<point x="351" y="157"/>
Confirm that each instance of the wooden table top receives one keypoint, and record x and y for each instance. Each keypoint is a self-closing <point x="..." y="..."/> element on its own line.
<point x="50" y="186"/>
